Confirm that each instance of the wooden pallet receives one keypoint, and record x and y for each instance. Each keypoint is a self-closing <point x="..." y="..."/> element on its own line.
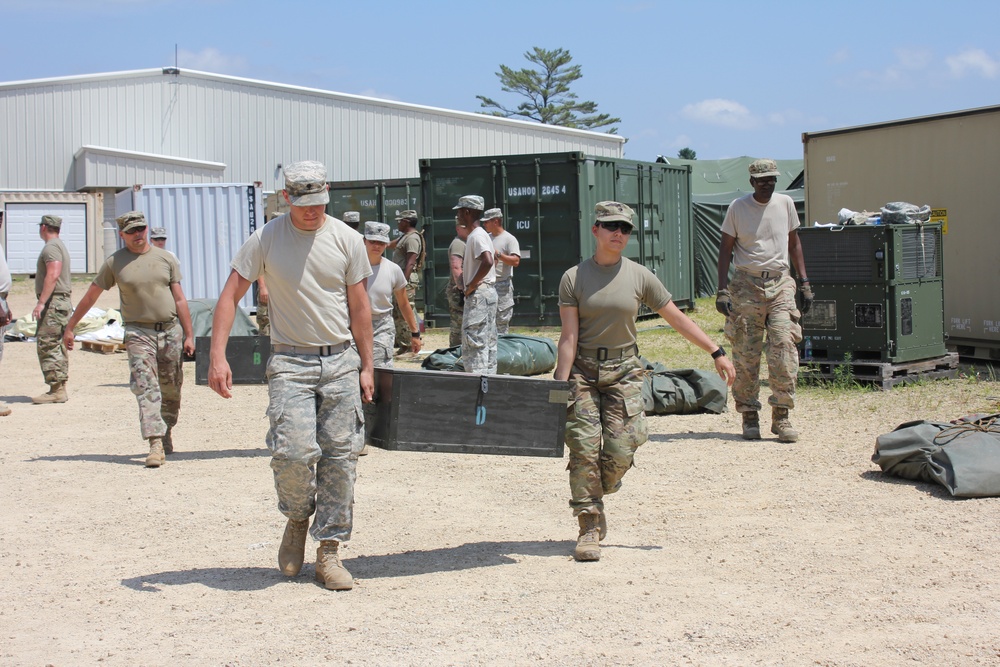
<point x="883" y="374"/>
<point x="102" y="346"/>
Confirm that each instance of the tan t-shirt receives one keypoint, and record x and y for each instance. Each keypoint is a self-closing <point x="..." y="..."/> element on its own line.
<point x="479" y="242"/>
<point x="457" y="248"/>
<point x="307" y="275"/>
<point x="143" y="283"/>
<point x="505" y="243"/>
<point x="54" y="251"/>
<point x="607" y="300"/>
<point x="409" y="242"/>
<point x="761" y="231"/>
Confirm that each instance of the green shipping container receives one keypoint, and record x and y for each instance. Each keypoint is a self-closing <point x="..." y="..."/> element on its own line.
<point x="379" y="201"/>
<point x="548" y="203"/>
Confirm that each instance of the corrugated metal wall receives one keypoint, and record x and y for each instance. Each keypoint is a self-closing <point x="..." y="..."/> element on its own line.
<point x="250" y="126"/>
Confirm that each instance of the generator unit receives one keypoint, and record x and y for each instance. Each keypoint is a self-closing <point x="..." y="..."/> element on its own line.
<point x="879" y="293"/>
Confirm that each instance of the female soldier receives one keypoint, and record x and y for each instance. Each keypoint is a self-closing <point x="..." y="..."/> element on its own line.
<point x="598" y="305"/>
<point x="385" y="281"/>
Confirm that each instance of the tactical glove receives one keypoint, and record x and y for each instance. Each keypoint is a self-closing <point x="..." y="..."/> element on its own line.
<point x="724" y="302"/>
<point x="805" y="298"/>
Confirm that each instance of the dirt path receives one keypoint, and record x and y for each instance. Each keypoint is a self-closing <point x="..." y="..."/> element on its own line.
<point x="721" y="552"/>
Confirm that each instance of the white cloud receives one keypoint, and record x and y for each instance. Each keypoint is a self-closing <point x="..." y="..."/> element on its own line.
<point x="975" y="61"/>
<point x="210" y="60"/>
<point x="725" y="113"/>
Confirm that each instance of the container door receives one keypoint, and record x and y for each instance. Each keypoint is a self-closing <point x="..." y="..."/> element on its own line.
<point x="24" y="243"/>
<point x="360" y="196"/>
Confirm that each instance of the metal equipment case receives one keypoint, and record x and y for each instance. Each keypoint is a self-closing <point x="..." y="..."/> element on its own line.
<point x="879" y="293"/>
<point x="548" y="202"/>
<point x="434" y="411"/>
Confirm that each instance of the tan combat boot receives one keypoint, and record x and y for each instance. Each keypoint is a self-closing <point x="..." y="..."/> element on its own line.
<point x="155" y="458"/>
<point x="781" y="427"/>
<point x="56" y="394"/>
<point x="329" y="570"/>
<point x="292" y="551"/>
<point x="751" y="426"/>
<point x="588" y="545"/>
<point x="168" y="442"/>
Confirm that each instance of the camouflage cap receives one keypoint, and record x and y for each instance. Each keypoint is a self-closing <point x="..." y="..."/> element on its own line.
<point x="53" y="221"/>
<point x="305" y="183"/>
<point x="377" y="231"/>
<point x="475" y="202"/>
<point x="610" y="211"/>
<point x="764" y="168"/>
<point x="408" y="214"/>
<point x="492" y="214"/>
<point x="130" y="220"/>
<point x="351" y="216"/>
<point x="158" y="233"/>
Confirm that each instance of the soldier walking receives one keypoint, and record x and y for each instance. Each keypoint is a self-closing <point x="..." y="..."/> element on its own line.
<point x="315" y="268"/>
<point x="759" y="236"/>
<point x="158" y="329"/>
<point x="598" y="305"/>
<point x="53" y="289"/>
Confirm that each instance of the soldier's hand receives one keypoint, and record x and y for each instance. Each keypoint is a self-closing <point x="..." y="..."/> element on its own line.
<point x="220" y="378"/>
<point x="189" y="346"/>
<point x="367" y="381"/>
<point x="68" y="338"/>
<point x="724" y="302"/>
<point x="806" y="298"/>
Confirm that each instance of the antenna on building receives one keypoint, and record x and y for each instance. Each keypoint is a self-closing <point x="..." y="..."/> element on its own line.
<point x="175" y="70"/>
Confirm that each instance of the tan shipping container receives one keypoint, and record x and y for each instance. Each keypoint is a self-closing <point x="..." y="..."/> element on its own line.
<point x="947" y="161"/>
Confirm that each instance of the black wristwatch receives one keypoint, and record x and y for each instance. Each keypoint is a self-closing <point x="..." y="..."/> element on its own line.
<point x="415" y="334"/>
<point x="721" y="352"/>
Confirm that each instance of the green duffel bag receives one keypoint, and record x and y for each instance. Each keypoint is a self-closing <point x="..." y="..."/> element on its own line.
<point x="516" y="355"/>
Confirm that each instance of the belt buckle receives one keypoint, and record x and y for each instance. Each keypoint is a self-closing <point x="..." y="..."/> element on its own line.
<point x="602" y="354"/>
<point x="158" y="326"/>
<point x="325" y="350"/>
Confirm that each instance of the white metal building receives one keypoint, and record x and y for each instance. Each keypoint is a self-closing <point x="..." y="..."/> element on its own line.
<point x="103" y="133"/>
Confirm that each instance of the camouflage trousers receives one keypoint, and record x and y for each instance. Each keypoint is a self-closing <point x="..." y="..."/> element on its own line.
<point x="761" y="306"/>
<point x="605" y="424"/>
<point x="316" y="432"/>
<point x="456" y="308"/>
<point x="155" y="363"/>
<point x="505" y="305"/>
<point x="479" y="331"/>
<point x="263" y="321"/>
<point x="51" y="326"/>
<point x="384" y="333"/>
<point x="403" y="337"/>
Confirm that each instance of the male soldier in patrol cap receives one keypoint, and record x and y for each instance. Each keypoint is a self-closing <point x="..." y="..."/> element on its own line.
<point x="353" y="220"/>
<point x="508" y="256"/>
<point x="408" y="254"/>
<point x="316" y="270"/>
<point x="759" y="236"/>
<point x="479" y="321"/>
<point x="456" y="285"/>
<point x="53" y="289"/>
<point x="157" y="328"/>
<point x="158" y="238"/>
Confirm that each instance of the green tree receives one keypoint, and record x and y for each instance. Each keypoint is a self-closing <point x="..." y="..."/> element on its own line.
<point x="687" y="154"/>
<point x="547" y="87"/>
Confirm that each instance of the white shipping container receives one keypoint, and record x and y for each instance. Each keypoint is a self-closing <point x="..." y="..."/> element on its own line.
<point x="206" y="225"/>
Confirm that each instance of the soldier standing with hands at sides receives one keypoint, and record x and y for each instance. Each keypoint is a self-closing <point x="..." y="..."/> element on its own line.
<point x="508" y="256"/>
<point x="158" y="328"/>
<point x="315" y="268"/>
<point x="408" y="254"/>
<point x="53" y="289"/>
<point x="759" y="236"/>
<point x="456" y="284"/>
<point x="479" y="319"/>
<point x="599" y="302"/>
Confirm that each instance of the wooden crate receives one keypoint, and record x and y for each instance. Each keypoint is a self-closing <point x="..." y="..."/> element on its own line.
<point x="102" y="346"/>
<point x="437" y="411"/>
<point x="882" y="374"/>
<point x="247" y="357"/>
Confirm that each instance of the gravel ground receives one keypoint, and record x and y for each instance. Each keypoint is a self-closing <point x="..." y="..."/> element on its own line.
<point x="720" y="552"/>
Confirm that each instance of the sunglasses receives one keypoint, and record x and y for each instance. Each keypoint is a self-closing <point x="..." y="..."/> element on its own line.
<point x="617" y="225"/>
<point x="136" y="230"/>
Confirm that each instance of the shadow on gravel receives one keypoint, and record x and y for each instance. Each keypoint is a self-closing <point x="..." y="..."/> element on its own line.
<point x="139" y="459"/>
<point x="707" y="435"/>
<point x="220" y="578"/>
<point x="930" y="488"/>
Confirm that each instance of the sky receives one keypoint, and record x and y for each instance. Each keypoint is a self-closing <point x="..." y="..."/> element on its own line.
<point x="726" y="79"/>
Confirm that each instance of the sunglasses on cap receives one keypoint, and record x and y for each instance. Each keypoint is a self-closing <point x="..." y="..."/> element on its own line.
<point x="617" y="225"/>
